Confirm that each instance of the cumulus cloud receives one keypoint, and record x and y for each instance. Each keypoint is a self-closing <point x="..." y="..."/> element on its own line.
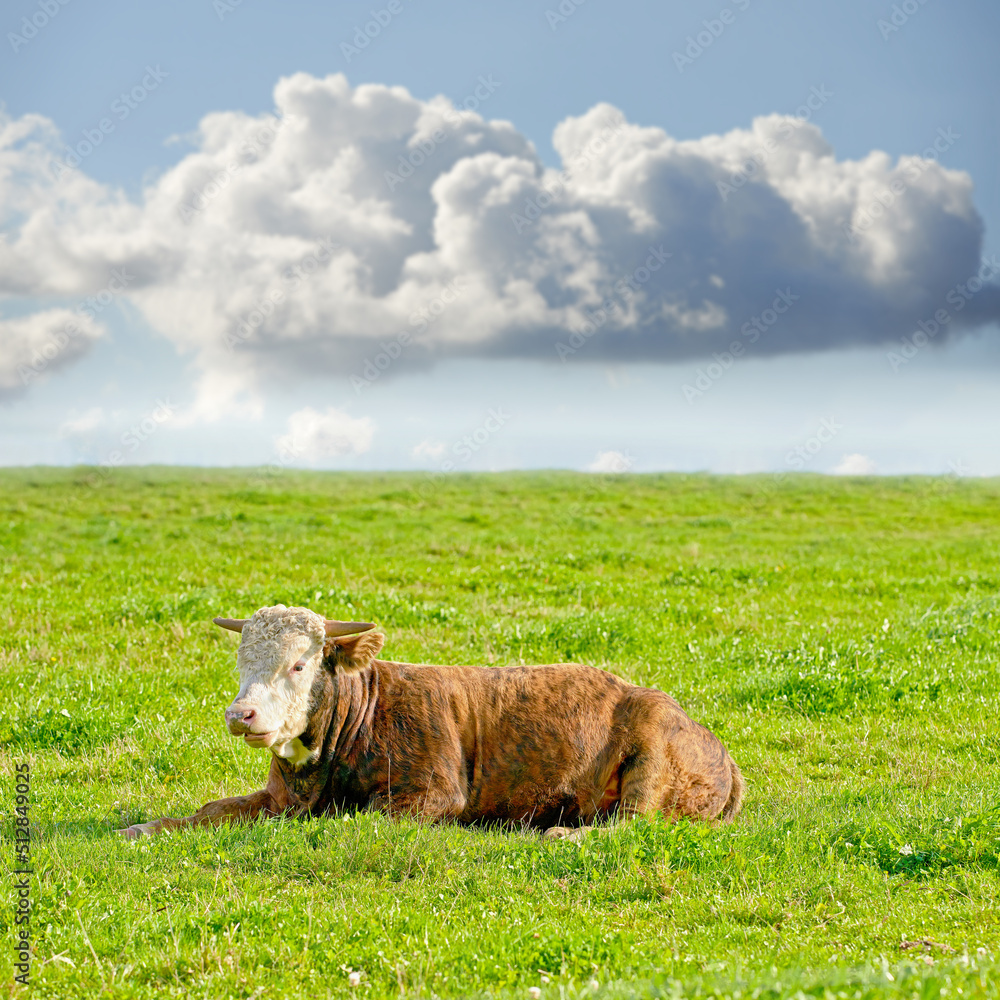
<point x="313" y="436"/>
<point x="78" y="424"/>
<point x="855" y="465"/>
<point x="428" y="449"/>
<point x="355" y="221"/>
<point x="33" y="346"/>
<point x="610" y="461"/>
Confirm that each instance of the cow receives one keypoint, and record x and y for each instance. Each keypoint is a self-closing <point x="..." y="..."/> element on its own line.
<point x="551" y="747"/>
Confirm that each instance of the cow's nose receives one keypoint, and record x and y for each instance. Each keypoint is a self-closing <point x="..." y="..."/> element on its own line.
<point x="239" y="719"/>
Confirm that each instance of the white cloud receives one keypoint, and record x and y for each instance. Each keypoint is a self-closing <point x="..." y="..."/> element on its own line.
<point x="82" y="423"/>
<point x="610" y="461"/>
<point x="855" y="465"/>
<point x="429" y="449"/>
<point x="33" y="346"/>
<point x="313" y="436"/>
<point x="283" y="246"/>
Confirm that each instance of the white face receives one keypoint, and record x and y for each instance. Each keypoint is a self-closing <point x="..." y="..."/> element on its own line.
<point x="279" y="657"/>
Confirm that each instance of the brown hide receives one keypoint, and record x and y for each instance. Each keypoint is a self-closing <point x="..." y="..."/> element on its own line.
<point x="540" y="745"/>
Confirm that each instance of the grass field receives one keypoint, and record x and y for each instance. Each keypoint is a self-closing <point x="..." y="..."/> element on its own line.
<point x="839" y="635"/>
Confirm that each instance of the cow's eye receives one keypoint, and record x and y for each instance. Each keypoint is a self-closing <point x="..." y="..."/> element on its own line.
<point x="299" y="666"/>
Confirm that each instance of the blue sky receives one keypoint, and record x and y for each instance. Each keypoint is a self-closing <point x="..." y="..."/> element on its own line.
<point x="827" y="387"/>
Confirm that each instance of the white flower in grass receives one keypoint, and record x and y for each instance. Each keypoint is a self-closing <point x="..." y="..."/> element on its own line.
<point x="906" y="849"/>
<point x="534" y="992"/>
<point x="354" y="979"/>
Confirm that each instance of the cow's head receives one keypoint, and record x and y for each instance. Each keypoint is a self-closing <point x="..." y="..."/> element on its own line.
<point x="280" y="658"/>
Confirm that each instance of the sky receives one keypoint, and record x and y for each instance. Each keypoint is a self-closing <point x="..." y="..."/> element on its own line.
<point x="442" y="236"/>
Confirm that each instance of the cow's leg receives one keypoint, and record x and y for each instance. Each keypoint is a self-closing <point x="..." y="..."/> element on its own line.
<point x="240" y="809"/>
<point x="639" y="797"/>
<point x="652" y="785"/>
<point x="675" y="766"/>
<point x="566" y="832"/>
<point x="643" y="781"/>
<point x="600" y="800"/>
<point x="639" y="788"/>
<point x="429" y="805"/>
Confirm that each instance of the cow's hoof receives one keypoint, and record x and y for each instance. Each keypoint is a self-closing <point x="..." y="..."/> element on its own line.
<point x="136" y="831"/>
<point x="565" y="833"/>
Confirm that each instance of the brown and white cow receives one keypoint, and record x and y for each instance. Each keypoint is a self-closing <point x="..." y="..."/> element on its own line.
<point x="552" y="747"/>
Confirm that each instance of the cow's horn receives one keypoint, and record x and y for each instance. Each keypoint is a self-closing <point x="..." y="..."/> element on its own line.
<point x="233" y="624"/>
<point x="347" y="628"/>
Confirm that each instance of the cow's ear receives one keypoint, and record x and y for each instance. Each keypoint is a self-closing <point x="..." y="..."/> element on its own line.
<point x="354" y="652"/>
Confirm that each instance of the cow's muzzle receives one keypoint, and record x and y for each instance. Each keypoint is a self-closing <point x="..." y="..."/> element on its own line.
<point x="240" y="720"/>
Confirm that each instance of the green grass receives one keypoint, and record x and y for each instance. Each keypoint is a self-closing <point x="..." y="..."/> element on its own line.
<point x="839" y="635"/>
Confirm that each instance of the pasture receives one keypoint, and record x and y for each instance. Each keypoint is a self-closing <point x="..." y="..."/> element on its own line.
<point x="839" y="635"/>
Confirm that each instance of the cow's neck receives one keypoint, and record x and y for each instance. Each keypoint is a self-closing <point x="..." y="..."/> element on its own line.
<point x="340" y="719"/>
<point x="355" y="693"/>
